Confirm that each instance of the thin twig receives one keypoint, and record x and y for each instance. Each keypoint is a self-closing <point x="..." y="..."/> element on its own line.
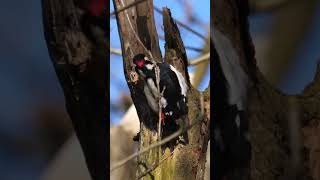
<point x="115" y="51"/>
<point x="193" y="48"/>
<point x="183" y="25"/>
<point x="190" y="15"/>
<point x="200" y="59"/>
<point x="126" y="7"/>
<point x="187" y="9"/>
<point x="163" y="141"/>
<point x="161" y="37"/>
<point x="157" y="73"/>
<point x="159" y="103"/>
<point x="153" y="167"/>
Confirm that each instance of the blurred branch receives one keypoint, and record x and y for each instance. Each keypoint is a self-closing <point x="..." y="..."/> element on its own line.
<point x="191" y="18"/>
<point x="201" y="59"/>
<point x="187" y="9"/>
<point x="161" y="37"/>
<point x="115" y="51"/>
<point x="193" y="48"/>
<point x="202" y="68"/>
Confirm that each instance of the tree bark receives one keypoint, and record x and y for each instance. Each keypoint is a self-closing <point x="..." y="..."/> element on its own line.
<point x="81" y="69"/>
<point x="274" y="134"/>
<point x="185" y="161"/>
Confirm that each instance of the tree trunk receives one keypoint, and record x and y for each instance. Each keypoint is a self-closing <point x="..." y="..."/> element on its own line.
<point x="81" y="68"/>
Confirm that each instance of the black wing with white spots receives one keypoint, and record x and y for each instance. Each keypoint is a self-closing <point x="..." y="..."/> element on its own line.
<point x="174" y="99"/>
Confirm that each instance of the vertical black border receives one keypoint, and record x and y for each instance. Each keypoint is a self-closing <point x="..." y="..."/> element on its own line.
<point x="108" y="91"/>
<point x="212" y="71"/>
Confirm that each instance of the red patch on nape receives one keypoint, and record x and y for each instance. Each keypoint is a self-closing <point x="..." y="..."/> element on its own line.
<point x="140" y="63"/>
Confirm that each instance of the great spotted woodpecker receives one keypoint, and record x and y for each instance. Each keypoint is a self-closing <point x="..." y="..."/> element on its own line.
<point x="172" y="84"/>
<point x="231" y="83"/>
<point x="94" y="19"/>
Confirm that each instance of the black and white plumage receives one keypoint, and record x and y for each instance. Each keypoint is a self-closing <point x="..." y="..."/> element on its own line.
<point x="174" y="99"/>
<point x="231" y="84"/>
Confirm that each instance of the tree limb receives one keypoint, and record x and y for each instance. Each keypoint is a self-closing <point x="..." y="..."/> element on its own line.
<point x="81" y="69"/>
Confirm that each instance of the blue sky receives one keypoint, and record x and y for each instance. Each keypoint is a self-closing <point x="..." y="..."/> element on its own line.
<point x="303" y="68"/>
<point x="200" y="10"/>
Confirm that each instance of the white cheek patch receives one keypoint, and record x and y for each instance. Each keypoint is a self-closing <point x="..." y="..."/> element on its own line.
<point x="170" y="113"/>
<point x="149" y="66"/>
<point x="146" y="58"/>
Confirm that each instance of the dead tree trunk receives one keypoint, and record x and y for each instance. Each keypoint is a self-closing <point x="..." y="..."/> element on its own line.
<point x="276" y="153"/>
<point x="138" y="34"/>
<point x="81" y="69"/>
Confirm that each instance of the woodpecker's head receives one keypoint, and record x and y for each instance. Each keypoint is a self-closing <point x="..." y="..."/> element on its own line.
<point x="143" y="65"/>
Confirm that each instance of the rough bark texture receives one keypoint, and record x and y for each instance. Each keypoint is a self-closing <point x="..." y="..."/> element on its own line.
<point x="81" y="69"/>
<point x="187" y="161"/>
<point x="270" y="130"/>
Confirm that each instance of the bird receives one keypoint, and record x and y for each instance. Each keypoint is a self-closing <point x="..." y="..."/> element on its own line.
<point x="230" y="135"/>
<point x="173" y="102"/>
